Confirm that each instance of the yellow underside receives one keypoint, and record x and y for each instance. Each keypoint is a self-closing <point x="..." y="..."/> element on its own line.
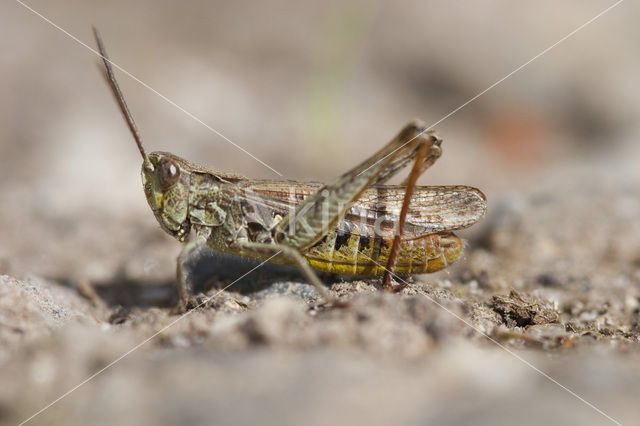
<point x="429" y="254"/>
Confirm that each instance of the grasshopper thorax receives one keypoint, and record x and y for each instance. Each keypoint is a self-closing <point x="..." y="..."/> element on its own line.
<point x="165" y="178"/>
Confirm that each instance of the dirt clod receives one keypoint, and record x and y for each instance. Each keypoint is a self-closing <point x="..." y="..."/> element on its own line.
<point x="519" y="311"/>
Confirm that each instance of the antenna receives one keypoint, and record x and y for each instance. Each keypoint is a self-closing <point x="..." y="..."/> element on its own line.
<point x="120" y="98"/>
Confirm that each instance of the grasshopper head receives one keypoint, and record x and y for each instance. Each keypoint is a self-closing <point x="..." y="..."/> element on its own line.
<point x="165" y="178"/>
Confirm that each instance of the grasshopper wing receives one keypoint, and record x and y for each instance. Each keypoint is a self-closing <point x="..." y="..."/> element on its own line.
<point x="433" y="208"/>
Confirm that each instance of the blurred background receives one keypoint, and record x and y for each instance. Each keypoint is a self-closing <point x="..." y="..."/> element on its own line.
<point x="310" y="88"/>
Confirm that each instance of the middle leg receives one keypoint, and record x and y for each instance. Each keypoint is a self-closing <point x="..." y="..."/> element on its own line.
<point x="293" y="255"/>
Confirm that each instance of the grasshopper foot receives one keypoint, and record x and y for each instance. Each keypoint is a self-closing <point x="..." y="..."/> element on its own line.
<point x="393" y="287"/>
<point x="191" y="302"/>
<point x="179" y="309"/>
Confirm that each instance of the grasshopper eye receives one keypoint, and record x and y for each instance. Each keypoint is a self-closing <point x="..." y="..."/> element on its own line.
<point x="168" y="173"/>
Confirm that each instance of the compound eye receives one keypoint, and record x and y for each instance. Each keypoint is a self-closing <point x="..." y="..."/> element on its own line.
<point x="168" y="173"/>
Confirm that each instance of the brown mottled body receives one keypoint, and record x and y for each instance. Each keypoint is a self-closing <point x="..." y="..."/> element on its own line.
<point x="360" y="242"/>
<point x="231" y="209"/>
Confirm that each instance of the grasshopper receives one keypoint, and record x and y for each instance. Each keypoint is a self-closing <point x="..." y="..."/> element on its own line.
<point x="356" y="225"/>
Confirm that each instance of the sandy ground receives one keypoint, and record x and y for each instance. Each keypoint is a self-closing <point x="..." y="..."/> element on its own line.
<point x="537" y="323"/>
<point x="538" y="320"/>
